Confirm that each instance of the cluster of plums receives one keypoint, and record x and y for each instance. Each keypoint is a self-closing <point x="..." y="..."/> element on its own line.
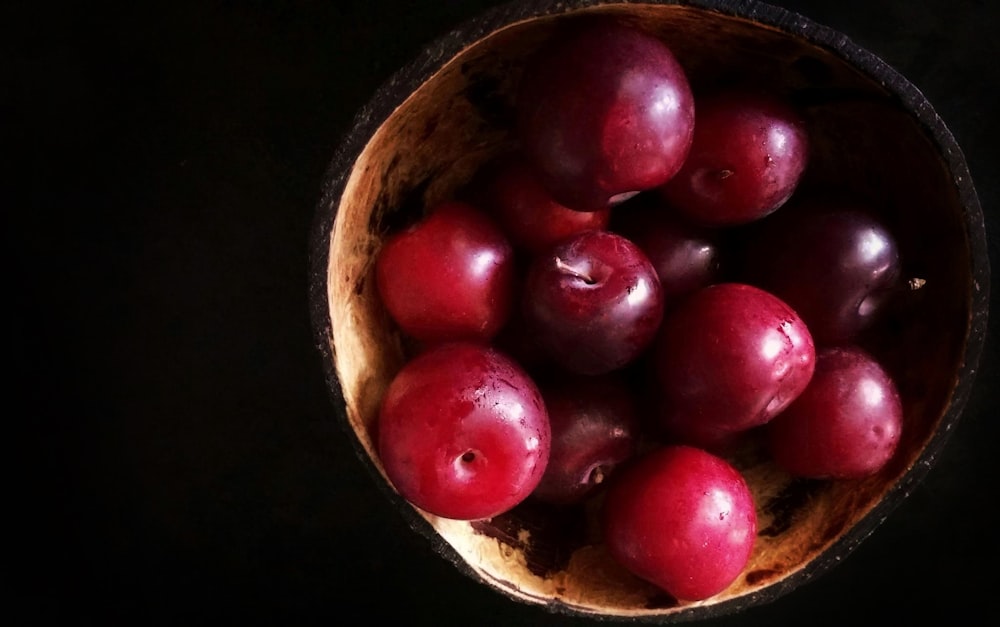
<point x="583" y="324"/>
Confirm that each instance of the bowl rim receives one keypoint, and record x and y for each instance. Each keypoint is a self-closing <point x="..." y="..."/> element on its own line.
<point x="438" y="52"/>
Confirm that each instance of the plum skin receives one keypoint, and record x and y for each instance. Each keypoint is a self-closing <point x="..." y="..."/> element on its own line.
<point x="450" y="276"/>
<point x="524" y="209"/>
<point x="845" y="425"/>
<point x="747" y="156"/>
<point x="687" y="257"/>
<point x="620" y="121"/>
<point x="463" y="432"/>
<point x="593" y="301"/>
<point x="595" y="428"/>
<point x="729" y="358"/>
<point x="683" y="519"/>
<point x="836" y="264"/>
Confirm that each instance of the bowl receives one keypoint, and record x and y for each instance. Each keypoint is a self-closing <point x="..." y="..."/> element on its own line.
<point x="428" y="130"/>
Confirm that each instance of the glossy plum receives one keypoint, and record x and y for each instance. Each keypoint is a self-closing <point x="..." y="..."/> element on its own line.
<point x="593" y="301"/>
<point x="450" y="276"/>
<point x="463" y="432"/>
<point x="594" y="429"/>
<point x="604" y="112"/>
<point x="531" y="218"/>
<point x="837" y="266"/>
<point x="845" y="425"/>
<point x="682" y="519"/>
<point x="747" y="156"/>
<point x="686" y="257"/>
<point x="729" y="358"/>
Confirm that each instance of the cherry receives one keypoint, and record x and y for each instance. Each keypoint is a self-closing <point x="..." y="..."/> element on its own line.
<point x="529" y="215"/>
<point x="686" y="257"/>
<point x="746" y="159"/>
<point x="463" y="432"/>
<point x="682" y="519"/>
<point x="450" y="276"/>
<point x="837" y="266"/>
<point x="594" y="429"/>
<point x="729" y="358"/>
<point x="593" y="301"/>
<point x="604" y="111"/>
<point x="845" y="425"/>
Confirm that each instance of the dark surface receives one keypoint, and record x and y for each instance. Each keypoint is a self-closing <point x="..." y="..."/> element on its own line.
<point x="173" y="455"/>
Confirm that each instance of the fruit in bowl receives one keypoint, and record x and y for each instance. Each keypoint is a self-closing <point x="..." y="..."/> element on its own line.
<point x="424" y="140"/>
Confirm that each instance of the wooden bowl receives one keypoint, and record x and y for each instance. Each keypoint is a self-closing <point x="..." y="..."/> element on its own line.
<point x="426" y="132"/>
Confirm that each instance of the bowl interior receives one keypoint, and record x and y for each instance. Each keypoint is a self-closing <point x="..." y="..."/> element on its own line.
<point x="866" y="143"/>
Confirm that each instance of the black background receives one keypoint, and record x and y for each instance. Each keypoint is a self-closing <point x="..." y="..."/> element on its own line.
<point x="173" y="457"/>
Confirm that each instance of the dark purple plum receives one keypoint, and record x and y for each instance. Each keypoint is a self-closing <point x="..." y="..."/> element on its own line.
<point x="836" y="266"/>
<point x="686" y="256"/>
<point x="593" y="301"/>
<point x="594" y="429"/>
